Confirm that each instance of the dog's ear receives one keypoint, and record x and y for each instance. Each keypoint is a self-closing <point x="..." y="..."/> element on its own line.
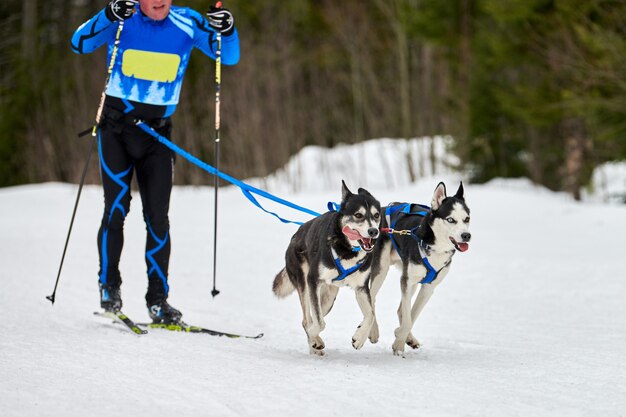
<point x="363" y="191"/>
<point x="438" y="196"/>
<point x="459" y="192"/>
<point x="345" y="192"/>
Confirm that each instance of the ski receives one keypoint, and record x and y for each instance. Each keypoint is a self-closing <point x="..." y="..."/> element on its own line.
<point x="184" y="327"/>
<point x="121" y="318"/>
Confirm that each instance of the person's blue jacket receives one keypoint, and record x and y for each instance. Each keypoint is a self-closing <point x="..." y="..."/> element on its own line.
<point x="153" y="55"/>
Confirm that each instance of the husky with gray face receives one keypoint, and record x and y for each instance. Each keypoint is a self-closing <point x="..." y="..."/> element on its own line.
<point x="331" y="251"/>
<point x="421" y="242"/>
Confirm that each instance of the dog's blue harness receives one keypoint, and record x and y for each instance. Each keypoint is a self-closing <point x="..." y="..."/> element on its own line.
<point x="343" y="272"/>
<point x="431" y="273"/>
<point x="417" y="210"/>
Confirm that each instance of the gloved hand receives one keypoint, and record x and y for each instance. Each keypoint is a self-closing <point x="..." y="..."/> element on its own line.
<point x="221" y="20"/>
<point x="120" y="9"/>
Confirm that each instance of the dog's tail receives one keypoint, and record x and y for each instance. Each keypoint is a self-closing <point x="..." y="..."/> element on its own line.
<point x="282" y="284"/>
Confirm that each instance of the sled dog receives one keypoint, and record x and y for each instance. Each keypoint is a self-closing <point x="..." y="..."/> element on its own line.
<point x="424" y="242"/>
<point x="332" y="251"/>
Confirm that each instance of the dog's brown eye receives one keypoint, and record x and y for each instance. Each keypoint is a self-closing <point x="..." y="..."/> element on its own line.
<point x="466" y="220"/>
<point x="377" y="216"/>
<point x="358" y="215"/>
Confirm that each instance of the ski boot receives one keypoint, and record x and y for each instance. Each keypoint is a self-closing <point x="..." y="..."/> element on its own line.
<point x="110" y="298"/>
<point x="162" y="312"/>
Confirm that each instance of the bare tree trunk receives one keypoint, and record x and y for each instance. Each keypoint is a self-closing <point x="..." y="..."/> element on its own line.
<point x="575" y="143"/>
<point x="405" y="89"/>
<point x="29" y="33"/>
<point x="466" y="64"/>
<point x="392" y="11"/>
<point x="463" y="78"/>
<point x="352" y="28"/>
<point x="428" y="109"/>
<point x="535" y="167"/>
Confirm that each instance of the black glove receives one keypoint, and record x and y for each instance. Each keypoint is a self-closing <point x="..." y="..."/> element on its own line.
<point x="120" y="9"/>
<point x="221" y="20"/>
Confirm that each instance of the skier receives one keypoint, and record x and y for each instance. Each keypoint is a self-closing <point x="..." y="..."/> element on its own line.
<point x="154" y="48"/>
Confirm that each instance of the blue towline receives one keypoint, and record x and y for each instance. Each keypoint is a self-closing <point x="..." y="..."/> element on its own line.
<point x="246" y="189"/>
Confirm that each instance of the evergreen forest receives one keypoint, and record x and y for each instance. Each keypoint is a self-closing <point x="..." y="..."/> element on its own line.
<point x="533" y="88"/>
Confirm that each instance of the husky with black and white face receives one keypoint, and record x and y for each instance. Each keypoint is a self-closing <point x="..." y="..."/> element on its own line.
<point x="424" y="256"/>
<point x="331" y="251"/>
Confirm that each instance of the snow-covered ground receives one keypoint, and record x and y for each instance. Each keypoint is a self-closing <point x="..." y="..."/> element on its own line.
<point x="608" y="183"/>
<point x="531" y="321"/>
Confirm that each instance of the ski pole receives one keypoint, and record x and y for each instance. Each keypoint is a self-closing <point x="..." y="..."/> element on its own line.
<point x="218" y="83"/>
<point x="84" y="174"/>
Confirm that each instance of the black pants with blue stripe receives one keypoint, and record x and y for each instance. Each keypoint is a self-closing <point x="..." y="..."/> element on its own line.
<point x="125" y="150"/>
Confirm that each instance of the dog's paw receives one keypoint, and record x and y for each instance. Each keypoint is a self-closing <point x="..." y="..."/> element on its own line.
<point x="412" y="342"/>
<point x="317" y="352"/>
<point x="358" y="344"/>
<point x="374" y="334"/>
<point x="317" y="345"/>
<point x="398" y="353"/>
<point x="398" y="347"/>
<point x="359" y="338"/>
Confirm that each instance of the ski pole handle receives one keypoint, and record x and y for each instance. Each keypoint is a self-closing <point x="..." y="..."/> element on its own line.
<point x="218" y="78"/>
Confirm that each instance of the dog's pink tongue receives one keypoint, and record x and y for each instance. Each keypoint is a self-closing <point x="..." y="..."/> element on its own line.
<point x="463" y="246"/>
<point x="351" y="233"/>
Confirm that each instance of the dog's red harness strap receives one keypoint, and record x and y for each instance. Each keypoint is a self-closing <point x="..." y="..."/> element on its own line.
<point x="394" y="231"/>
